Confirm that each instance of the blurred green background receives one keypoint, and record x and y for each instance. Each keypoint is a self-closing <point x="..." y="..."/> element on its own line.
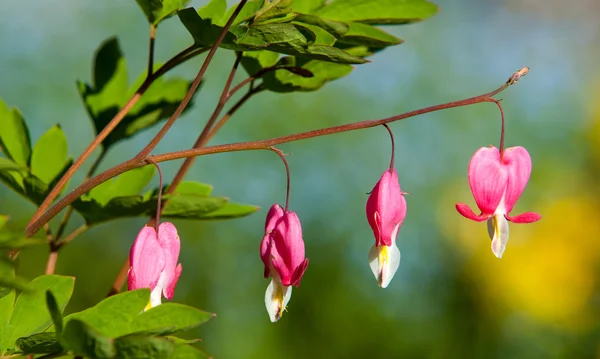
<point x="451" y="298"/>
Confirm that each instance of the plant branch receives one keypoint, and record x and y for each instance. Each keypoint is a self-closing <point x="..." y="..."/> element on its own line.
<point x="173" y="62"/>
<point x="203" y="137"/>
<point x="188" y="96"/>
<point x="251" y="145"/>
<point x="151" y="50"/>
<point x="287" y="172"/>
<point x="389" y="130"/>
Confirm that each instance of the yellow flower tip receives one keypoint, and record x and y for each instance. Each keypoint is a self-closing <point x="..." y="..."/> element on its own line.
<point x="148" y="306"/>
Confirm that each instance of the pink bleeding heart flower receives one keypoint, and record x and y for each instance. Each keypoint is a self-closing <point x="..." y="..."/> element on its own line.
<point x="282" y="252"/>
<point x="497" y="181"/>
<point x="153" y="259"/>
<point x="386" y="210"/>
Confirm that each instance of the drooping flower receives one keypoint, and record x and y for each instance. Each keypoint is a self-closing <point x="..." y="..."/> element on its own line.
<point x="497" y="181"/>
<point x="153" y="259"/>
<point x="282" y="252"/>
<point x="386" y="210"/>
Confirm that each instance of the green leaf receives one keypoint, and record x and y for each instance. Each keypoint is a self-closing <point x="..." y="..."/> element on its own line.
<point x="308" y="6"/>
<point x="7" y="301"/>
<point x="55" y="312"/>
<point x="8" y="165"/>
<point x="292" y="39"/>
<point x="110" y="92"/>
<point x="8" y="283"/>
<point x="323" y="72"/>
<point x="254" y="61"/>
<point x="369" y="36"/>
<point x="30" y="314"/>
<point x="112" y="317"/>
<point x="175" y="316"/>
<point x="189" y="352"/>
<point x="337" y="29"/>
<point x="194" y="188"/>
<point x="231" y="210"/>
<point x="214" y="11"/>
<point x="49" y="154"/>
<point x="129" y="183"/>
<point x="159" y="10"/>
<point x="190" y="206"/>
<point x="14" y="137"/>
<point x="139" y="346"/>
<point x="40" y="343"/>
<point x="378" y="12"/>
<point x="84" y="340"/>
<point x="273" y="9"/>
<point x="247" y="13"/>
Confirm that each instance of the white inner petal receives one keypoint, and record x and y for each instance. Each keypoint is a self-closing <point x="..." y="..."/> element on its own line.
<point x="277" y="297"/>
<point x="498" y="231"/>
<point x="156" y="294"/>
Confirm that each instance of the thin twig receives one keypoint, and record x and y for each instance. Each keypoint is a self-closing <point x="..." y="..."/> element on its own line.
<point x="173" y="62"/>
<point x="287" y="172"/>
<point x="243" y="146"/>
<point x="393" y="145"/>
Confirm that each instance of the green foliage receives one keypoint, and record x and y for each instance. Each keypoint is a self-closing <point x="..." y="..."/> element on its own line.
<point x="40" y="343"/>
<point x="322" y="39"/>
<point x="12" y="237"/>
<point x="14" y="137"/>
<point x="110" y="92"/>
<point x="49" y="154"/>
<point x="29" y="315"/>
<point x="30" y="173"/>
<point x="159" y="10"/>
<point x="378" y="12"/>
<point x="192" y="200"/>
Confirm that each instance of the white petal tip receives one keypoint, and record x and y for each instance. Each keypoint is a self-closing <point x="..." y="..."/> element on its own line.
<point x="277" y="297"/>
<point x="384" y="262"/>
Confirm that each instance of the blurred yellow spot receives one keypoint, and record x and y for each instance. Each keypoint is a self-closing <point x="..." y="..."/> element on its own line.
<point x="549" y="269"/>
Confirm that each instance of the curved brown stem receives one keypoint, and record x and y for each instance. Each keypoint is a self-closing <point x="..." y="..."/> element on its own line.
<point x="243" y="146"/>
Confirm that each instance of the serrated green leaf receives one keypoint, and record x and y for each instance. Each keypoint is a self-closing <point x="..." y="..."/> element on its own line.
<point x="378" y="12"/>
<point x="159" y="10"/>
<point x="139" y="346"/>
<point x="39" y="343"/>
<point x="14" y="137"/>
<point x="369" y="36"/>
<point x="175" y="316"/>
<point x="112" y="317"/>
<point x="308" y="6"/>
<point x="49" y="154"/>
<point x="83" y="340"/>
<point x="30" y="314"/>
<point x="55" y="312"/>
<point x="189" y="352"/>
